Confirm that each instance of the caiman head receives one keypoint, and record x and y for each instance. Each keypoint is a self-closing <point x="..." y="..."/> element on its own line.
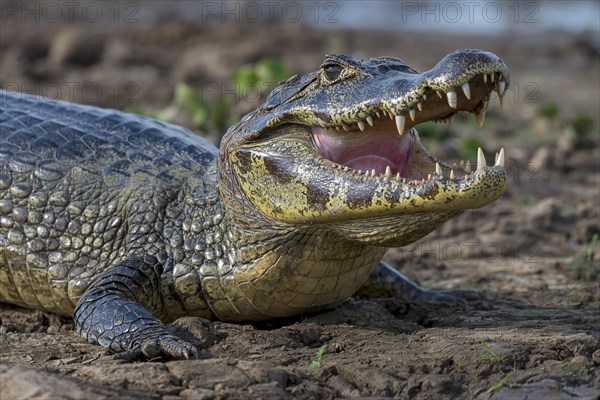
<point x="337" y="148"/>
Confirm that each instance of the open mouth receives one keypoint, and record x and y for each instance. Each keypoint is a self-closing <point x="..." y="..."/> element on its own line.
<point x="385" y="143"/>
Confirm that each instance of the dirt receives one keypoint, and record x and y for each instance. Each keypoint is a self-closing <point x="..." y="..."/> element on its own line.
<point x="537" y="335"/>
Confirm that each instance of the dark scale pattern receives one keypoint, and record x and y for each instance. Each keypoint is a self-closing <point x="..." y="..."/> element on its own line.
<point x="109" y="312"/>
<point x="87" y="192"/>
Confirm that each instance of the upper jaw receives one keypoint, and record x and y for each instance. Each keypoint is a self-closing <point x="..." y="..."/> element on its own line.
<point x="416" y="165"/>
<point x="431" y="100"/>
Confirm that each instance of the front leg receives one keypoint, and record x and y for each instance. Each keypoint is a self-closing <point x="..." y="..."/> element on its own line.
<point x="386" y="281"/>
<point x="116" y="311"/>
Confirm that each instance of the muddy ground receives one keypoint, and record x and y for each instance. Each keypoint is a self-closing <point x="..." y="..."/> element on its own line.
<point x="532" y="251"/>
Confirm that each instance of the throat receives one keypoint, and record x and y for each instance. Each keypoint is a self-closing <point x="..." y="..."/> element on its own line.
<point x="367" y="151"/>
<point x="305" y="273"/>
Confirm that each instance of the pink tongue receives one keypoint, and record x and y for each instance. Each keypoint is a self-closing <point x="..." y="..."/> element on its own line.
<point x="372" y="151"/>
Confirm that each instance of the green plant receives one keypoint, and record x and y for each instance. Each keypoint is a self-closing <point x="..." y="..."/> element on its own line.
<point x="186" y="99"/>
<point x="264" y="73"/>
<point x="585" y="268"/>
<point x="410" y="341"/>
<point x="491" y="354"/>
<point x="216" y="115"/>
<point x="316" y="363"/>
<point x="468" y="148"/>
<point x="548" y="110"/>
<point x="582" y="125"/>
<point x="497" y="385"/>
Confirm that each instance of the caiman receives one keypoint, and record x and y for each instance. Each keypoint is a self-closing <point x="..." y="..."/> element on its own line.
<point x="126" y="223"/>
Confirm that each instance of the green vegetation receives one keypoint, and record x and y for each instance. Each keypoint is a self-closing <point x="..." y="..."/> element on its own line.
<point x="430" y="130"/>
<point x="316" y="363"/>
<point x="548" y="110"/>
<point x="216" y="115"/>
<point x="491" y="354"/>
<point x="497" y="385"/>
<point x="468" y="148"/>
<point x="585" y="268"/>
<point x="410" y="341"/>
<point x="266" y="72"/>
<point x="583" y="125"/>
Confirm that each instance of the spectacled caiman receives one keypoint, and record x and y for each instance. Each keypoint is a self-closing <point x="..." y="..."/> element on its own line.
<point x="126" y="223"/>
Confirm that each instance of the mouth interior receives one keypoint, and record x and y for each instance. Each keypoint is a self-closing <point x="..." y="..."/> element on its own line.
<point x="377" y="149"/>
<point x="385" y="147"/>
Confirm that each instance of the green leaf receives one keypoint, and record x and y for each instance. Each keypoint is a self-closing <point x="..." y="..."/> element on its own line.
<point x="271" y="70"/>
<point x="168" y="113"/>
<point x="548" y="110"/>
<point x="245" y="77"/>
<point x="192" y="102"/>
<point x="141" y="110"/>
<point x="468" y="148"/>
<point x="219" y="114"/>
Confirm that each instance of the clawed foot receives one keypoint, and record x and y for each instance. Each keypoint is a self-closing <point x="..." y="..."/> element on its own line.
<point x="166" y="344"/>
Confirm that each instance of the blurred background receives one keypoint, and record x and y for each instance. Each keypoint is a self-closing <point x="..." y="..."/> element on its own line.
<point x="218" y="59"/>
<point x="204" y="64"/>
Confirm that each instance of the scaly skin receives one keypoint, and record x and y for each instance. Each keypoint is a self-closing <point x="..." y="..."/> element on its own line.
<point x="126" y="223"/>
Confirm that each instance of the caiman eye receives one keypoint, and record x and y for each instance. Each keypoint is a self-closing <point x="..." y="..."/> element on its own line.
<point x="333" y="72"/>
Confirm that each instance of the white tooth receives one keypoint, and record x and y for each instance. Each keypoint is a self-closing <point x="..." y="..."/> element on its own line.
<point x="412" y="114"/>
<point x="501" y="98"/>
<point x="484" y="78"/>
<point x="468" y="167"/>
<point x="346" y="169"/>
<point x="451" y="174"/>
<point x="400" y="119"/>
<point x="420" y="106"/>
<point x="424" y="97"/>
<point x="377" y="113"/>
<point x="439" y="94"/>
<point x="462" y="164"/>
<point x="337" y="128"/>
<point x="452" y="99"/>
<point x="438" y="169"/>
<point x="492" y="77"/>
<point x="501" y="86"/>
<point x="496" y="158"/>
<point x="398" y="177"/>
<point x="388" y="172"/>
<point x="373" y="172"/>
<point x="481" y="164"/>
<point x="345" y="127"/>
<point x="467" y="90"/>
<point x="370" y="120"/>
<point x="361" y="125"/>
<point x="500" y="159"/>
<point x="428" y="177"/>
<point x="480" y="117"/>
